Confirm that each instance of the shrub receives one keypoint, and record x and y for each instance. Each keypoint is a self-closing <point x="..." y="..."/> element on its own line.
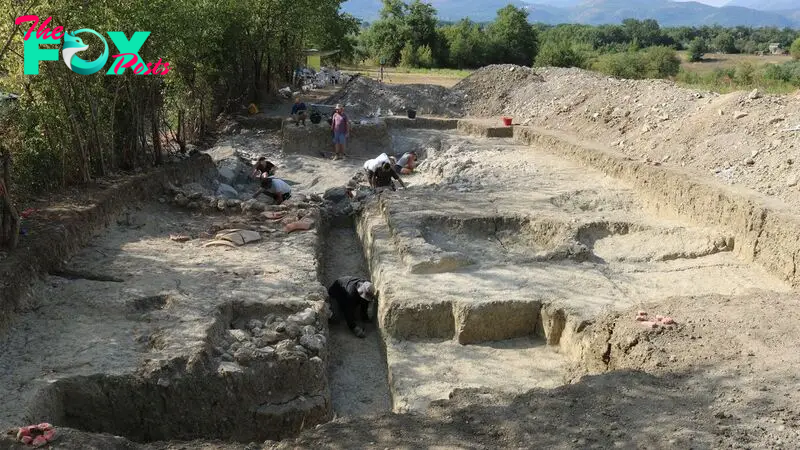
<point x="408" y="56"/>
<point x="661" y="62"/>
<point x="654" y="62"/>
<point x="697" y="48"/>
<point x="559" y="54"/>
<point x="745" y="73"/>
<point x="787" y="72"/>
<point x="425" y="57"/>
<point x="622" y="65"/>
<point x="795" y="49"/>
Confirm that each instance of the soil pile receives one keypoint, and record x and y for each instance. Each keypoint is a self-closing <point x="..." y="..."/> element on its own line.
<point x="363" y="97"/>
<point x="487" y="91"/>
<point x="740" y="138"/>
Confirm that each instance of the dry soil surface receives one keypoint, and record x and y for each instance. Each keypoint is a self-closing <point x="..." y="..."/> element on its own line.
<point x="739" y="138"/>
<point x="723" y="376"/>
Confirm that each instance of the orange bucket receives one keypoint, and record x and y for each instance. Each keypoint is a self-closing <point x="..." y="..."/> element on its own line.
<point x="507" y="121"/>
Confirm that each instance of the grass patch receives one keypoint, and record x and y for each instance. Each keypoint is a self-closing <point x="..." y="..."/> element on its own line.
<point x="767" y="77"/>
<point x="450" y="73"/>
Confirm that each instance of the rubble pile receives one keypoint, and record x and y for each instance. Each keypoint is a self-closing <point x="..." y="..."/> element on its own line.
<point x="365" y="97"/>
<point x="300" y="335"/>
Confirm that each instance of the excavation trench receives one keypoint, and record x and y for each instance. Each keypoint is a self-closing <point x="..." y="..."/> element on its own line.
<point x="357" y="369"/>
<point x="478" y="289"/>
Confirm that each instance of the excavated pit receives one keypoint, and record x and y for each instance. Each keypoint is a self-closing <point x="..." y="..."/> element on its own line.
<point x="491" y="282"/>
<point x="478" y="289"/>
<point x="503" y="239"/>
<point x="242" y="387"/>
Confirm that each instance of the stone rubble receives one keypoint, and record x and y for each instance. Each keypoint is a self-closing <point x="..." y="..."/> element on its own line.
<point x="300" y="335"/>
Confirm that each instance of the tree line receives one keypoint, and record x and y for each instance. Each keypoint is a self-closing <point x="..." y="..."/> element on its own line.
<point x="67" y="128"/>
<point x="409" y="34"/>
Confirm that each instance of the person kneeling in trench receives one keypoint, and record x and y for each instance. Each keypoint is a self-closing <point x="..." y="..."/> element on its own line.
<point x="382" y="177"/>
<point x="353" y="295"/>
<point x="276" y="188"/>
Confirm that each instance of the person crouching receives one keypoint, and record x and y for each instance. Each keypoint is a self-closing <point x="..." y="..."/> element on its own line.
<point x="353" y="296"/>
<point x="275" y="188"/>
<point x="383" y="176"/>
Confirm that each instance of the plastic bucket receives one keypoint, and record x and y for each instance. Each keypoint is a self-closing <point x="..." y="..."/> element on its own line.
<point x="507" y="121"/>
<point x="412" y="113"/>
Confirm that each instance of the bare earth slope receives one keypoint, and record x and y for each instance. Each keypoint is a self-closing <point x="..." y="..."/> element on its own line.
<point x="740" y="138"/>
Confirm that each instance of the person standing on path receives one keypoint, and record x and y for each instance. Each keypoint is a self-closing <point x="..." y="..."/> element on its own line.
<point x="340" y="124"/>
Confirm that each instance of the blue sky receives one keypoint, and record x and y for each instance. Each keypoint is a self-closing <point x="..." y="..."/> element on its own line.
<point x="710" y="2"/>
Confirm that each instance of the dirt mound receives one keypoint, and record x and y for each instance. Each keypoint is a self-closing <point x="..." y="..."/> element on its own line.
<point x="487" y="91"/>
<point x="740" y="138"/>
<point x="363" y="97"/>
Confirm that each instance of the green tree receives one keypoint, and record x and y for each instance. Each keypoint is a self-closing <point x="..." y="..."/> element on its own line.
<point x="697" y="48"/>
<point x="644" y="32"/>
<point x="421" y="22"/>
<point x="661" y="62"/>
<point x="724" y="43"/>
<point x="387" y="36"/>
<point x="408" y="56"/>
<point x="795" y="49"/>
<point x="466" y="43"/>
<point x="559" y="54"/>
<point x="513" y="39"/>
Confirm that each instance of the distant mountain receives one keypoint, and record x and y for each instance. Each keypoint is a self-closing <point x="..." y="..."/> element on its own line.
<point x="766" y="5"/>
<point x="598" y="12"/>
<point x="670" y="14"/>
<point x="449" y="10"/>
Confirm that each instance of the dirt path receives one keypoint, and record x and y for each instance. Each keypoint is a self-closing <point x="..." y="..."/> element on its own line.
<point x="358" y="375"/>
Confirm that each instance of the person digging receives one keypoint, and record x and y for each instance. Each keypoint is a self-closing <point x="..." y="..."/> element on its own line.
<point x="263" y="166"/>
<point x="275" y="188"/>
<point x="406" y="164"/>
<point x="382" y="178"/>
<point x="371" y="165"/>
<point x="353" y="296"/>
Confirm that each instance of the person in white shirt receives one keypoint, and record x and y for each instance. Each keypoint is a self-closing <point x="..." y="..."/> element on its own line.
<point x="372" y="165"/>
<point x="406" y="164"/>
<point x="276" y="188"/>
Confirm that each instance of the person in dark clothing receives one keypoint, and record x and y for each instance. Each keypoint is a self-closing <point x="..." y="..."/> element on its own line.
<point x="263" y="166"/>
<point x="299" y="112"/>
<point x="353" y="295"/>
<point x="383" y="176"/>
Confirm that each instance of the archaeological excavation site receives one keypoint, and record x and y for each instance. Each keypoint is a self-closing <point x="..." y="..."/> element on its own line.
<point x="615" y="269"/>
